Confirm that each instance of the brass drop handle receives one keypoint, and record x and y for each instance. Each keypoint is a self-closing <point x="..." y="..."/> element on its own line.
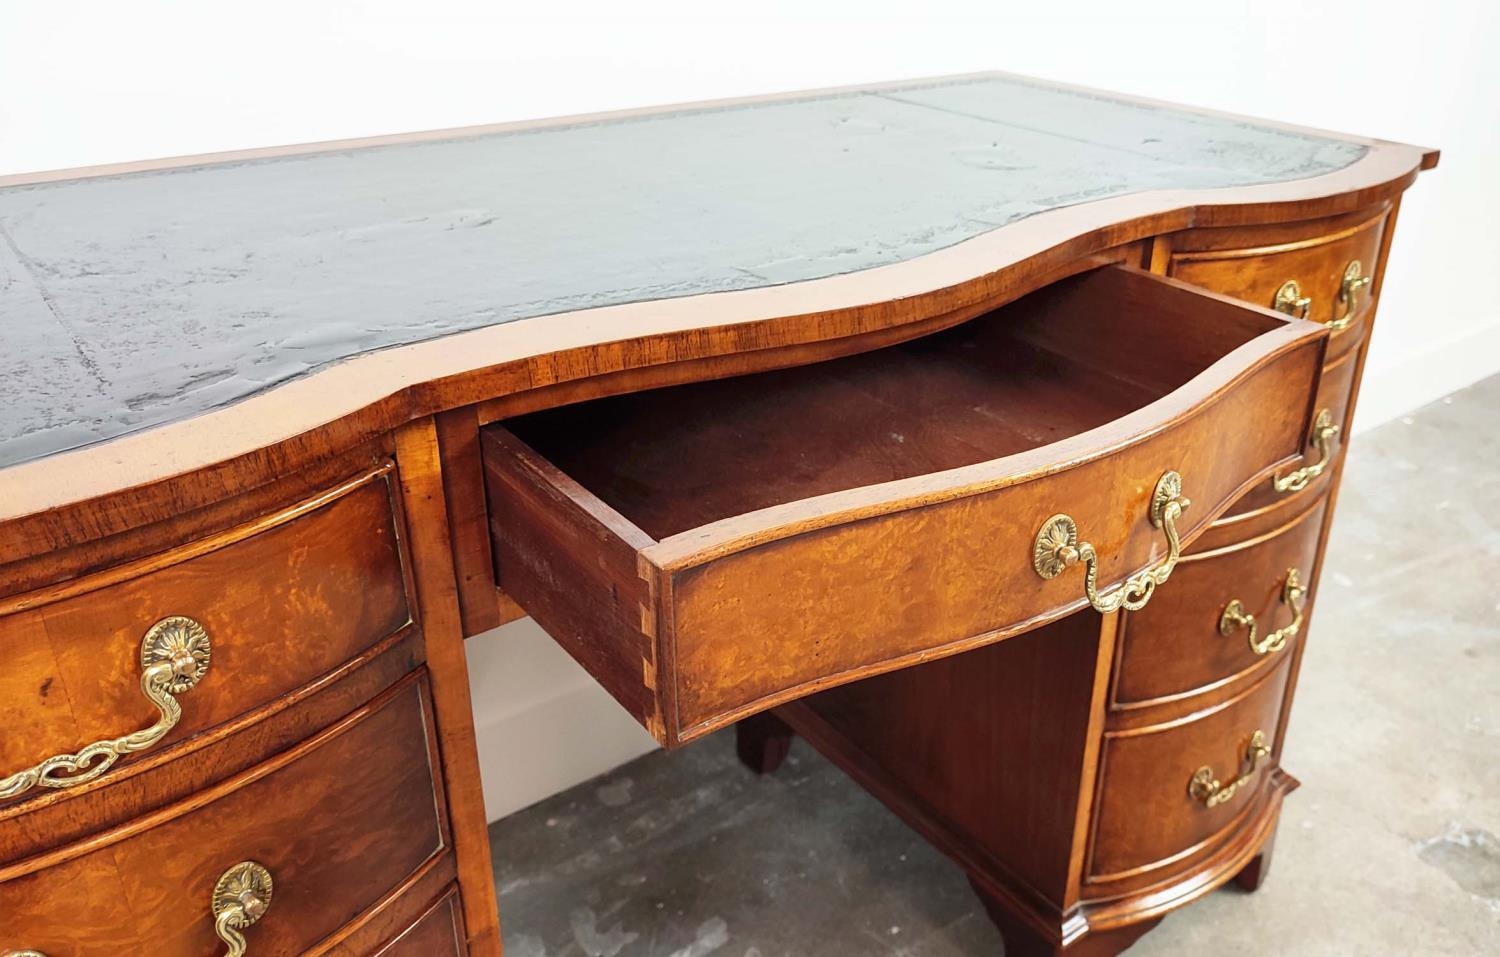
<point x="1289" y="299"/>
<point x="23" y="953"/>
<point x="1206" y="788"/>
<point x="1057" y="548"/>
<point x="1293" y="595"/>
<point x="241" y="897"/>
<point x="1354" y="283"/>
<point x="1324" y="431"/>
<point x="175" y="655"/>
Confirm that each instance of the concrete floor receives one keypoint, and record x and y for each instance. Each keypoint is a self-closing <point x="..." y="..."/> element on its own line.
<point x="1390" y="846"/>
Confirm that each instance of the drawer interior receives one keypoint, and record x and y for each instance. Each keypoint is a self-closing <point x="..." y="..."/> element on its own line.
<point x="1076" y="355"/>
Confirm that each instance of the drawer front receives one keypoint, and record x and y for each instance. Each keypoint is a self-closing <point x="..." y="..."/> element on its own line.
<point x="338" y="822"/>
<point x="722" y="619"/>
<point x="1150" y="812"/>
<point x="773" y="621"/>
<point x="1225" y="614"/>
<point x="250" y="616"/>
<point x="438" y="933"/>
<point x="1324" y="441"/>
<point x="1327" y="279"/>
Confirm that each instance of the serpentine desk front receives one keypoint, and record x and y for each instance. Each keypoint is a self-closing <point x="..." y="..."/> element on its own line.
<point x="984" y="431"/>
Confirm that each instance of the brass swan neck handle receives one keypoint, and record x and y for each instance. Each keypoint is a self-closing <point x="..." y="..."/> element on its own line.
<point x="1293" y="595"/>
<point x="1203" y="786"/>
<point x="1057" y="549"/>
<point x="1324" y="431"/>
<point x="175" y="655"/>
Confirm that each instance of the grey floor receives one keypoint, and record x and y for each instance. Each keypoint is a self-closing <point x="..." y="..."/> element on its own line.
<point x="1390" y="846"/>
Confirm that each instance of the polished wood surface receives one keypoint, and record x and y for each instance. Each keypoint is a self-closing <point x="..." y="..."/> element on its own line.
<point x="1173" y="647"/>
<point x="1146" y="818"/>
<point x="437" y="933"/>
<point x="832" y="491"/>
<point x="803" y="481"/>
<point x="145" y="887"/>
<point x="329" y="568"/>
<point x="426" y="522"/>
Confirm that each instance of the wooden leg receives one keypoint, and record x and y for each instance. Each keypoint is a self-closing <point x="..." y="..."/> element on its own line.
<point x="1023" y="940"/>
<point x="762" y="741"/>
<point x="1253" y="875"/>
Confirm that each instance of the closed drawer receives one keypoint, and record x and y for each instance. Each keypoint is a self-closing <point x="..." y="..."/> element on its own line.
<point x="1327" y="278"/>
<point x="710" y="550"/>
<point x="1227" y="614"/>
<point x="251" y="615"/>
<point x="437" y="933"/>
<point x="1156" y="801"/>
<point x="1310" y="475"/>
<point x="338" y="822"/>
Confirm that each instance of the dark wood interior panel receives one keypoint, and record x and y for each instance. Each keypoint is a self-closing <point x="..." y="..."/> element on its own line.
<point x="966" y="738"/>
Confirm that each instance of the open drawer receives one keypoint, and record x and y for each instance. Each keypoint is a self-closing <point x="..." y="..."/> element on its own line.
<point x="710" y="550"/>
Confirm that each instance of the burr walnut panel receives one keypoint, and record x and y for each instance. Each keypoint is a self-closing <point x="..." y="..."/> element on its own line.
<point x="710" y="550"/>
<point x="1318" y="265"/>
<point x="339" y="821"/>
<point x="437" y="933"/>
<point x="284" y="601"/>
<point x="1147" y="816"/>
<point x="1175" y="647"/>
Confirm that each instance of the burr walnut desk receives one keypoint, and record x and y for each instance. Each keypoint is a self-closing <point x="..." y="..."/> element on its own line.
<point x="983" y="431"/>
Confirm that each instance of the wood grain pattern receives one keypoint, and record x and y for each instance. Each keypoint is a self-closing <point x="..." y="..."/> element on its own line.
<point x="1146" y="819"/>
<point x="1254" y="273"/>
<point x="286" y="600"/>
<point x="1172" y="649"/>
<point x="757" y="608"/>
<point x="624" y="574"/>
<point x="152" y="780"/>
<point x="438" y="933"/>
<point x="145" y="887"/>
<point x="425" y="517"/>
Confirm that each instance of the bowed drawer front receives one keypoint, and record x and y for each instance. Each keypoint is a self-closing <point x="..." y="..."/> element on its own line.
<point x="1229" y="613"/>
<point x="711" y="550"/>
<point x="1328" y="277"/>
<point x="118" y="666"/>
<point x="293" y="851"/>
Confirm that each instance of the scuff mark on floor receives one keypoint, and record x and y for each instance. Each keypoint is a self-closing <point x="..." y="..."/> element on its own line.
<point x="1470" y="857"/>
<point x="526" y="945"/>
<point x="585" y="924"/>
<point x="712" y="934"/>
<point x="616" y="793"/>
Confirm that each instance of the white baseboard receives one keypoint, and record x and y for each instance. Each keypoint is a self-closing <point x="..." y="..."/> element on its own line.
<point x="544" y="725"/>
<point x="1400" y="382"/>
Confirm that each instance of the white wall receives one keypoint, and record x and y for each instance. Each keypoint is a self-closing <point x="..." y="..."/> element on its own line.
<point x="92" y="82"/>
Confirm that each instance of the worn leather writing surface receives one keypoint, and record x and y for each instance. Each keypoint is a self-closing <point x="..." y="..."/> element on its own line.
<point x="133" y="300"/>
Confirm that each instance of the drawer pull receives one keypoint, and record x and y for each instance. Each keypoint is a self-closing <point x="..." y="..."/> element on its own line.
<point x="1354" y="283"/>
<point x="1206" y="788"/>
<point x="175" y="655"/>
<point x="1289" y="299"/>
<point x="241" y="897"/>
<point x="1057" y="548"/>
<point x="23" y="953"/>
<point x="1293" y="595"/>
<point x="1324" y="431"/>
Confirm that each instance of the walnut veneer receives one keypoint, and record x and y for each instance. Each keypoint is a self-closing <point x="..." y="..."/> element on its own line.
<point x="800" y="471"/>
